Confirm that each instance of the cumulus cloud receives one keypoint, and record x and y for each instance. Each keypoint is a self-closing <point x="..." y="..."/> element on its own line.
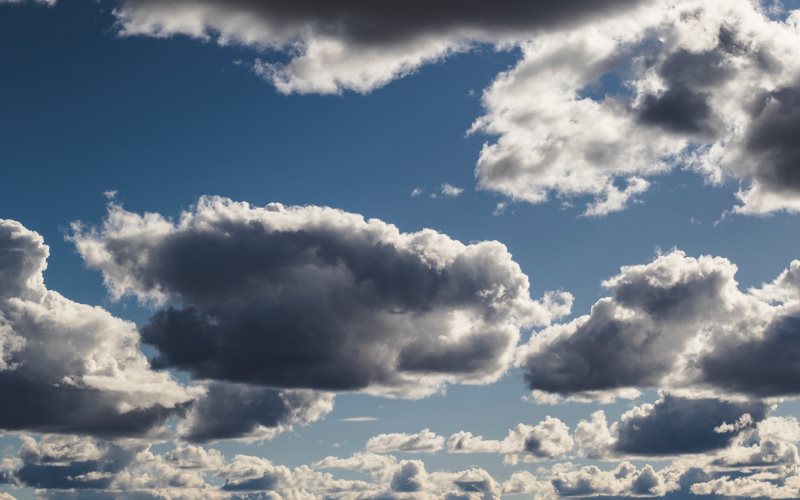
<point x="680" y="323"/>
<point x="425" y="441"/>
<point x="317" y="298"/>
<point x="671" y="426"/>
<point x="549" y="439"/>
<point x="67" y="367"/>
<point x="451" y="191"/>
<point x="352" y="45"/>
<point x="624" y="480"/>
<point x="710" y="86"/>
<point x="251" y="413"/>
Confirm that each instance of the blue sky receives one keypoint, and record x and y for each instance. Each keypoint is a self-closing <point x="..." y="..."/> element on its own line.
<point x="165" y="120"/>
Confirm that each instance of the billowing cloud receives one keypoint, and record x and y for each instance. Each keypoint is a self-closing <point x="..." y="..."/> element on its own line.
<point x="600" y="109"/>
<point x="549" y="439"/>
<point x="253" y="413"/>
<point x="352" y="45"/>
<point x="317" y="298"/>
<point x="67" y="367"/>
<point x="678" y="322"/>
<point x="676" y="425"/>
<point x="424" y="441"/>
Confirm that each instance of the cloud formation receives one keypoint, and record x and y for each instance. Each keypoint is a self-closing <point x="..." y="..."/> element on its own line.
<point x="425" y="441"/>
<point x="680" y="323"/>
<point x="67" y="367"/>
<point x="600" y="109"/>
<point x="316" y="298"/>
<point x="352" y="45"/>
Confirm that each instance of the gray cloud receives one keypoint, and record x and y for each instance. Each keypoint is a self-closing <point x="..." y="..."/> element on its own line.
<point x="241" y="411"/>
<point x="771" y="140"/>
<point x="67" y="367"/>
<point x="635" y="337"/>
<point x="310" y="297"/>
<point x="675" y="425"/>
<point x="764" y="366"/>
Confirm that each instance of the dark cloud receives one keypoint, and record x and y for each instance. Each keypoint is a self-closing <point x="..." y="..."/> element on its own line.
<point x="771" y="140"/>
<point x="67" y="367"/>
<point x="765" y="366"/>
<point x="408" y="477"/>
<point x="236" y="411"/>
<point x="310" y="297"/>
<point x="388" y="22"/>
<point x="679" y="109"/>
<point x="632" y="339"/>
<point x="676" y="425"/>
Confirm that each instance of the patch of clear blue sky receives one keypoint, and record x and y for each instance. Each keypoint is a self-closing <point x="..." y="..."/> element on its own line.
<point x="164" y="121"/>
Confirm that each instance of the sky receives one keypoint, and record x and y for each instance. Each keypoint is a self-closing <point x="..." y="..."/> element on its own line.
<point x="399" y="250"/>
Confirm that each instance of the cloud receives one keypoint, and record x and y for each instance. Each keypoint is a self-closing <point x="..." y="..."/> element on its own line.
<point x="241" y="411"/>
<point x="549" y="439"/>
<point x="634" y="338"/>
<point x="625" y="480"/>
<point x="317" y="298"/>
<point x="675" y="425"/>
<point x="425" y="441"/>
<point x="67" y="367"/>
<point x="352" y="45"/>
<point x="451" y="191"/>
<point x="705" y="85"/>
<point x="679" y="323"/>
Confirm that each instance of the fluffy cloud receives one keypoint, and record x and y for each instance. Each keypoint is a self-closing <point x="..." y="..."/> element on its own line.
<point x="352" y="45"/>
<point x="709" y="85"/>
<point x="67" y="367"/>
<point x="252" y="413"/>
<point x="425" y="441"/>
<point x="678" y="322"/>
<point x="312" y="297"/>
<point x="624" y="480"/>
<point x="549" y="439"/>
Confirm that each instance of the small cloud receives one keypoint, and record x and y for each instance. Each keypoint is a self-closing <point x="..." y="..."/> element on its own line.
<point x="500" y="208"/>
<point x="451" y="191"/>
<point x="359" y="419"/>
<point x="110" y="194"/>
<point x="417" y="191"/>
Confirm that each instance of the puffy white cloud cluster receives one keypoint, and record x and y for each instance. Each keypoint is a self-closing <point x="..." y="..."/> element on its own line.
<point x="600" y="109"/>
<point x="549" y="439"/>
<point x="425" y="441"/>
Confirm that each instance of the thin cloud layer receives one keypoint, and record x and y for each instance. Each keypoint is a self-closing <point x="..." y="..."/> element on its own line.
<point x="317" y="298"/>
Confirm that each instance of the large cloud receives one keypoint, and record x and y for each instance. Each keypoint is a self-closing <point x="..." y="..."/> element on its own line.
<point x="597" y="110"/>
<point x="352" y="44"/>
<point x="311" y="297"/>
<point x="67" y="367"/>
<point x="678" y="322"/>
